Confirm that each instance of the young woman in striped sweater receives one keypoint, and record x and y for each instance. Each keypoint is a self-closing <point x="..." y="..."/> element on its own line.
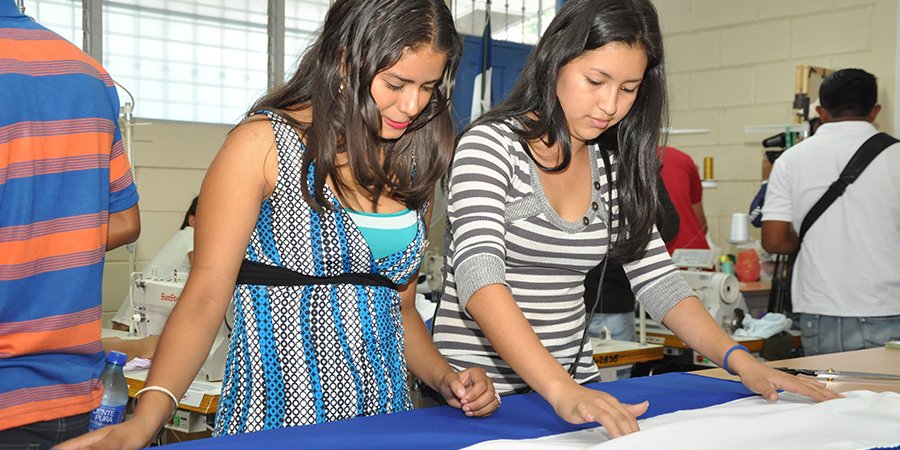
<point x="541" y="189"/>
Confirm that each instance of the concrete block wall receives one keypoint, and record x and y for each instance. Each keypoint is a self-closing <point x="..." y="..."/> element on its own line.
<point x="731" y="63"/>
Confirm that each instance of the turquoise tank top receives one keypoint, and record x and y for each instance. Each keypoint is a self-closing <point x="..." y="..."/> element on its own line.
<point x="388" y="233"/>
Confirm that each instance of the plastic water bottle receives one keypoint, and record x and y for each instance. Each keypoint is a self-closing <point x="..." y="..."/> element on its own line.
<point x="115" y="393"/>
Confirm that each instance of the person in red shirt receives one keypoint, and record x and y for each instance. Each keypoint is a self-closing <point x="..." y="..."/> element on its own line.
<point x="682" y="181"/>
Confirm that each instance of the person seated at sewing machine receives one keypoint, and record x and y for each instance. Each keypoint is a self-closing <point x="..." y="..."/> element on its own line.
<point x="174" y="257"/>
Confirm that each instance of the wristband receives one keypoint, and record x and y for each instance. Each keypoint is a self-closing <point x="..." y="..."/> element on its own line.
<point x="728" y="353"/>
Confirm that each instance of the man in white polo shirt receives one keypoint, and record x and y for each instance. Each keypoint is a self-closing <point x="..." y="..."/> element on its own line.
<point x="846" y="282"/>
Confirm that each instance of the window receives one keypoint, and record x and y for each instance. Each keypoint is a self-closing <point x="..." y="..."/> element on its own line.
<point x="207" y="60"/>
<point x="521" y="21"/>
<point x="301" y="20"/>
<point x="61" y="16"/>
<point x="198" y="60"/>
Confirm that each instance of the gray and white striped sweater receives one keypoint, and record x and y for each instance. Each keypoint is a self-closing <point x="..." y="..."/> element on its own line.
<point x="503" y="230"/>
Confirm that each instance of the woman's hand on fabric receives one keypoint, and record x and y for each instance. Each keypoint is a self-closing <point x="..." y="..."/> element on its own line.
<point x="767" y="381"/>
<point x="578" y="404"/>
<point x="470" y="390"/>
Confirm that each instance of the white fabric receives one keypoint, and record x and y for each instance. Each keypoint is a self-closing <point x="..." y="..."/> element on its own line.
<point x="764" y="327"/>
<point x="170" y="258"/>
<point x="847" y="263"/>
<point x="862" y="420"/>
<point x="136" y="364"/>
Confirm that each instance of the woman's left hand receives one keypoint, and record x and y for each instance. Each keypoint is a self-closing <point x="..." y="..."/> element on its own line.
<point x="470" y="390"/>
<point x="767" y="381"/>
<point x="693" y="324"/>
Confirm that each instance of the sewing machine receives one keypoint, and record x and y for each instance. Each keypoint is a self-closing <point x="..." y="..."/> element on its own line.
<point x="720" y="293"/>
<point x="152" y="300"/>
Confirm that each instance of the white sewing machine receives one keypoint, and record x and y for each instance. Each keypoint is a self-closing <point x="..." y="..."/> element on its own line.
<point x="152" y="300"/>
<point x="720" y="293"/>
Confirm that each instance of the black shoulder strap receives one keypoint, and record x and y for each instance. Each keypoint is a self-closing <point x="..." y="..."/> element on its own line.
<point x="858" y="163"/>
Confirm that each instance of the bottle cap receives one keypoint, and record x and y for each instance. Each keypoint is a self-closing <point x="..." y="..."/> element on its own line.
<point x="117" y="358"/>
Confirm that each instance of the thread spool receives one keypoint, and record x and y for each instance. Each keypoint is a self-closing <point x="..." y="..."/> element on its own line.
<point x="708" y="168"/>
<point x="726" y="265"/>
<point x="740" y="227"/>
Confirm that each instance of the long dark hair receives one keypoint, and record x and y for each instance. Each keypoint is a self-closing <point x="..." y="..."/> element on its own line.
<point x="359" y="39"/>
<point x="191" y="211"/>
<point x="580" y="26"/>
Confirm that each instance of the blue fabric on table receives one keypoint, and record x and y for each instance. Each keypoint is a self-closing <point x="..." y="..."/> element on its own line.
<point x="520" y="417"/>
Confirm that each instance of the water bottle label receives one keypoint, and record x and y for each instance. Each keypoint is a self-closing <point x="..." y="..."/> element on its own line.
<point x="106" y="415"/>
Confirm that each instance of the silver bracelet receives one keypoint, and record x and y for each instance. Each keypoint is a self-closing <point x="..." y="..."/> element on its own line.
<point x="159" y="389"/>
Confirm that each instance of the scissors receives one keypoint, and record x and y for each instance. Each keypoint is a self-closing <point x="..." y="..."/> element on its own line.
<point x="831" y="374"/>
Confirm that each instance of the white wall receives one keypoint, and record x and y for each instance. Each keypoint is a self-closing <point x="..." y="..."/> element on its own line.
<point x="731" y="63"/>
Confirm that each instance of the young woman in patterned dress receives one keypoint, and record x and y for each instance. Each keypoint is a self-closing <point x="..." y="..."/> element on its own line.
<point x="312" y="222"/>
<point x="541" y="189"/>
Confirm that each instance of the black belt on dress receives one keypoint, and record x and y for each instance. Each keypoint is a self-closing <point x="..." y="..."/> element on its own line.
<point x="263" y="274"/>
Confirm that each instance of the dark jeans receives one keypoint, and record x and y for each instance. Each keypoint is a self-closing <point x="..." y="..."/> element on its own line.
<point x="43" y="435"/>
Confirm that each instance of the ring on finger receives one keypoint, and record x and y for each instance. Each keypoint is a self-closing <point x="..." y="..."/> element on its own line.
<point x="497" y="396"/>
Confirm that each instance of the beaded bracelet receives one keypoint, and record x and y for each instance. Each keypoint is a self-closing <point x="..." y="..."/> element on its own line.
<point x="158" y="389"/>
<point x="728" y="353"/>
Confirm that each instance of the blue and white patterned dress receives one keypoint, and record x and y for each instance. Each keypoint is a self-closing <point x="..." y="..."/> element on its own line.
<point x="310" y="354"/>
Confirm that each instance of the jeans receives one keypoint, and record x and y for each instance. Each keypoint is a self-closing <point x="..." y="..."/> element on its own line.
<point x="43" y="435"/>
<point x="621" y="328"/>
<point x="829" y="334"/>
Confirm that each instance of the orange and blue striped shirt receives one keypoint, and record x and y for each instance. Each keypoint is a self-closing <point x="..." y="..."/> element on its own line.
<point x="63" y="170"/>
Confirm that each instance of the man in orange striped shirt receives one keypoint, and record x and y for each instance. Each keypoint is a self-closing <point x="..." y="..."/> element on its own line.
<point x="66" y="197"/>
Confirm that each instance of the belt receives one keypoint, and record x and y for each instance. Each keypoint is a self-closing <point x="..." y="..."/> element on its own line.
<point x="263" y="274"/>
